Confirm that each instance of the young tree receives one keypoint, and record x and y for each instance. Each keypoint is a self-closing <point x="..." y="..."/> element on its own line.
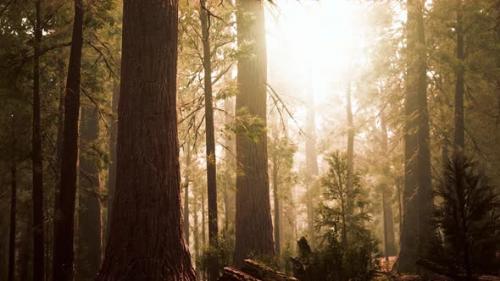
<point x="467" y="217"/>
<point x="254" y="230"/>
<point x="146" y="206"/>
<point x="65" y="203"/>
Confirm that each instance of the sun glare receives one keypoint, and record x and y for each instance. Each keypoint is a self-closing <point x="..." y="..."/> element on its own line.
<point x="314" y="43"/>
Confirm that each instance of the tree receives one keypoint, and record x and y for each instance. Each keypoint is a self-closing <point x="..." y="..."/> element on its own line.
<point x="13" y="204"/>
<point x="146" y="205"/>
<point x="387" y="215"/>
<point x="65" y="203"/>
<point x="467" y="217"/>
<point x="281" y="152"/>
<point x="416" y="229"/>
<point x="254" y="230"/>
<point x="347" y="248"/>
<point x="89" y="207"/>
<point x="210" y="136"/>
<point x="37" y="166"/>
<point x="311" y="165"/>
<point x="459" y="86"/>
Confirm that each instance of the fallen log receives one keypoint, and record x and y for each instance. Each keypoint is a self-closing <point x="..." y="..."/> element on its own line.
<point x="233" y="274"/>
<point x="263" y="272"/>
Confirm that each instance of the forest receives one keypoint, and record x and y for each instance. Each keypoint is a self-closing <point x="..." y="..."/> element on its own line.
<point x="249" y="140"/>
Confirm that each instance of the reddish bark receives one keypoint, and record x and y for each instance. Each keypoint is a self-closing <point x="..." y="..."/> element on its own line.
<point x="145" y="236"/>
<point x="254" y="230"/>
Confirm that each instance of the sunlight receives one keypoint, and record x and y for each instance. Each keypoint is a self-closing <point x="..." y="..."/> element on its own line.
<point x="315" y="43"/>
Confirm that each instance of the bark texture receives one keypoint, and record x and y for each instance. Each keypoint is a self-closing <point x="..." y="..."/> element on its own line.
<point x="416" y="230"/>
<point x="254" y="230"/>
<point x="146" y="239"/>
<point x="63" y="269"/>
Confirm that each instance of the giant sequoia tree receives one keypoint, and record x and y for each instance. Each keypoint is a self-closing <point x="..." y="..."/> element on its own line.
<point x="254" y="230"/>
<point x="416" y="229"/>
<point x="145" y="235"/>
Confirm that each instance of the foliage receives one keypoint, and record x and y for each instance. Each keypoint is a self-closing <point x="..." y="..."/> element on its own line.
<point x="468" y="217"/>
<point x="348" y="249"/>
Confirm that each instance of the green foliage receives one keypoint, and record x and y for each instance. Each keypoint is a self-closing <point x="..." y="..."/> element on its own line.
<point x="468" y="217"/>
<point x="347" y="249"/>
<point x="250" y="125"/>
<point x="221" y="255"/>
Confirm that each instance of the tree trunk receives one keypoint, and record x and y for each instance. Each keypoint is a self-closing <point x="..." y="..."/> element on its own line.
<point x="210" y="138"/>
<point x="389" y="239"/>
<point x="350" y="142"/>
<point x="203" y="221"/>
<point x="277" y="221"/>
<point x="311" y="166"/>
<point x="186" y="193"/>
<point x="25" y="248"/>
<point x="146" y="238"/>
<point x="417" y="230"/>
<point x="13" y="206"/>
<point x="37" y="166"/>
<point x="89" y="211"/>
<point x="229" y="157"/>
<point x="254" y="229"/>
<point x="112" y="157"/>
<point x="459" y="87"/>
<point x="196" y="229"/>
<point x="64" y="218"/>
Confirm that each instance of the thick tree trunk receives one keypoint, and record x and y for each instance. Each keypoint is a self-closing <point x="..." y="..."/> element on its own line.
<point x="417" y="230"/>
<point x="89" y="211"/>
<point x="13" y="207"/>
<point x="64" y="218"/>
<point x="37" y="166"/>
<point x="459" y="87"/>
<point x="254" y="229"/>
<point x="210" y="138"/>
<point x="146" y="238"/>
